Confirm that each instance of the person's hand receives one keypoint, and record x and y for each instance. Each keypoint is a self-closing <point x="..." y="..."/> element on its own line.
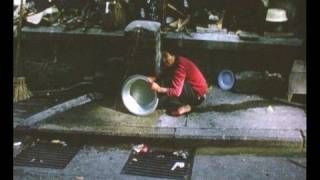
<point x="155" y="87"/>
<point x="151" y="79"/>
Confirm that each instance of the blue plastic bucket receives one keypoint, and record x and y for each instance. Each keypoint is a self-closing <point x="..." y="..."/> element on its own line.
<point x="226" y="79"/>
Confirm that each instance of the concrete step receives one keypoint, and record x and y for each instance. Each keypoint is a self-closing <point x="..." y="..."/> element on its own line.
<point x="225" y="118"/>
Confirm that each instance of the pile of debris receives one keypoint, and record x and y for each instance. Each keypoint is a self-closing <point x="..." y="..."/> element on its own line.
<point x="70" y="15"/>
<point x="178" y="16"/>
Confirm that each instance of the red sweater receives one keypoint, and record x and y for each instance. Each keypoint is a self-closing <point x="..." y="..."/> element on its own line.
<point x="187" y="71"/>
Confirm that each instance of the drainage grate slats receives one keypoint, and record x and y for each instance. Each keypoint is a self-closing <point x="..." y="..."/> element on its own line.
<point x="155" y="175"/>
<point x="37" y="164"/>
<point x="148" y="168"/>
<point x="158" y="160"/>
<point x="46" y="155"/>
<point x="40" y="165"/>
<point x="158" y="164"/>
<point x="54" y="149"/>
<point x="177" y="173"/>
<point x="155" y="165"/>
<point x="29" y="158"/>
<point x="53" y="154"/>
<point x="157" y="172"/>
<point x="37" y="155"/>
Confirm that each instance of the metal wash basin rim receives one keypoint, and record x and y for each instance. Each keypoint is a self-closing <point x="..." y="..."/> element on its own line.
<point x="137" y="96"/>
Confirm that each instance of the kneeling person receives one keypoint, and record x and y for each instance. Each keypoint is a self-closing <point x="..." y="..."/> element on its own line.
<point x="185" y="84"/>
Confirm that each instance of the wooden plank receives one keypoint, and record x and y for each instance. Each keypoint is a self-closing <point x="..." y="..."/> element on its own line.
<point x="59" y="109"/>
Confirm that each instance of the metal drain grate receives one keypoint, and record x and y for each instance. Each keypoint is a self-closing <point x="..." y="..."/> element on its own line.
<point x="158" y="164"/>
<point x="46" y="155"/>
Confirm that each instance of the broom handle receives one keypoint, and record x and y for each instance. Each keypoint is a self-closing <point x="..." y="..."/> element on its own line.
<point x="164" y="14"/>
<point x="19" y="29"/>
<point x="175" y="9"/>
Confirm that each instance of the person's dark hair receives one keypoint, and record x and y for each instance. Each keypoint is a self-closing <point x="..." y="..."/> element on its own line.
<point x="170" y="50"/>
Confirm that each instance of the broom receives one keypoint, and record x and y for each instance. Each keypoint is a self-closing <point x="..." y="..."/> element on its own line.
<point x="20" y="89"/>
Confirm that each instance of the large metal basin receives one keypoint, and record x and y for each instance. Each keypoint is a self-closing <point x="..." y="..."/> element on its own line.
<point x="137" y="96"/>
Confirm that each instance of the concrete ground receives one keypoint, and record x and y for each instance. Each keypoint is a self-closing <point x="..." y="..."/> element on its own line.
<point x="224" y="116"/>
<point x="98" y="162"/>
<point x="248" y="167"/>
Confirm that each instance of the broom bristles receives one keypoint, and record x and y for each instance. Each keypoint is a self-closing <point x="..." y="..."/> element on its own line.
<point x="20" y="91"/>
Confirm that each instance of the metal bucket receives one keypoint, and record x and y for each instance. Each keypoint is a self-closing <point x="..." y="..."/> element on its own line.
<point x="137" y="96"/>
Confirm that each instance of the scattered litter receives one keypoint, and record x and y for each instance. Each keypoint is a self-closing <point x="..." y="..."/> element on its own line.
<point x="145" y="149"/>
<point x="177" y="164"/>
<point x="137" y="148"/>
<point x="160" y="156"/>
<point x="17" y="144"/>
<point x="35" y="18"/>
<point x="38" y="140"/>
<point x="79" y="178"/>
<point x="243" y="160"/>
<point x="51" y="10"/>
<point x="57" y="141"/>
<point x="213" y="17"/>
<point x="162" y="161"/>
<point x="41" y="161"/>
<point x="135" y="159"/>
<point x="270" y="109"/>
<point x="32" y="160"/>
<point x="277" y="75"/>
<point x="140" y="148"/>
<point x="181" y="153"/>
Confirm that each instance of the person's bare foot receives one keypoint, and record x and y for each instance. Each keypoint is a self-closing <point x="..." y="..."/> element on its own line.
<point x="181" y="110"/>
